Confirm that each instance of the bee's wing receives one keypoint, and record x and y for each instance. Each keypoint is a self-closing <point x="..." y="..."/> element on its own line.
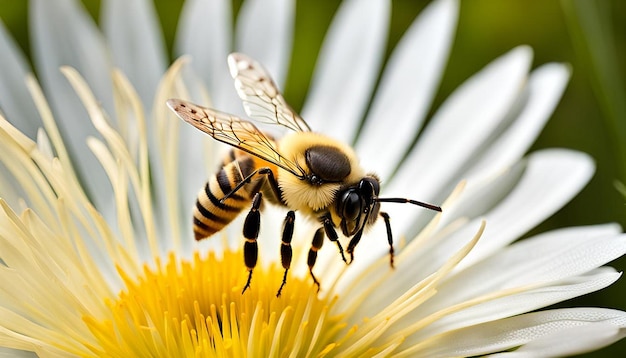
<point x="234" y="131"/>
<point x="261" y="98"/>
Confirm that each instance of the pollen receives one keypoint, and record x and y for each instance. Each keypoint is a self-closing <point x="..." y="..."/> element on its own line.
<point x="196" y="308"/>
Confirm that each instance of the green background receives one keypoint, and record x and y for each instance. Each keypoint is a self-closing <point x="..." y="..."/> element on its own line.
<point x="486" y="30"/>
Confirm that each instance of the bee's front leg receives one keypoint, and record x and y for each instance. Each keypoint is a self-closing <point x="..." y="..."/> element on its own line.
<point x="329" y="229"/>
<point x="385" y="217"/>
<point x="352" y="245"/>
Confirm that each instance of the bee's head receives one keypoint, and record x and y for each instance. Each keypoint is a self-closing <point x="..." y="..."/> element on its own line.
<point x="357" y="205"/>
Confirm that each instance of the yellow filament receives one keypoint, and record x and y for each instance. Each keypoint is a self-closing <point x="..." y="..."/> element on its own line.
<point x="195" y="308"/>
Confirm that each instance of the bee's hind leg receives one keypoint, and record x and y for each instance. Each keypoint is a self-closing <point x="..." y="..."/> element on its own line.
<point x="261" y="171"/>
<point x="251" y="228"/>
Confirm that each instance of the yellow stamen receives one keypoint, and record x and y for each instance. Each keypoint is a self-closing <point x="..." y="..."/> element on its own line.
<point x="195" y="308"/>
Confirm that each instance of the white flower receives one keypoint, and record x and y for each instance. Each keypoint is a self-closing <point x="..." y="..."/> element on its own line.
<point x="95" y="235"/>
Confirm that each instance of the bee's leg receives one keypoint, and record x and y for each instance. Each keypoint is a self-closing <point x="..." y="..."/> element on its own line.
<point x="251" y="229"/>
<point x="329" y="229"/>
<point x="353" y="242"/>
<point x="316" y="244"/>
<point x="285" y="247"/>
<point x="261" y="171"/>
<point x="385" y="217"/>
<point x="357" y="237"/>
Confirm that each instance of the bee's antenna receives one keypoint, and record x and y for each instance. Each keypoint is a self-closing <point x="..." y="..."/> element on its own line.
<point x="414" y="202"/>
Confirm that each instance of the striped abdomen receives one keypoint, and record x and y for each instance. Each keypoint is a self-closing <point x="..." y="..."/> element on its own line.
<point x="209" y="214"/>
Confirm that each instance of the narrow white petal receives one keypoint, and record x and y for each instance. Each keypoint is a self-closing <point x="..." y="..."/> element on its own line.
<point x="544" y="90"/>
<point x="12" y="353"/>
<point x="134" y="35"/>
<point x="407" y="88"/>
<point x="515" y="331"/>
<point x="205" y="33"/>
<point x="11" y="189"/>
<point x="64" y="34"/>
<point x="15" y="102"/>
<point x="265" y="32"/>
<point x="186" y="156"/>
<point x="347" y="67"/>
<point x="552" y="178"/>
<point x="44" y="145"/>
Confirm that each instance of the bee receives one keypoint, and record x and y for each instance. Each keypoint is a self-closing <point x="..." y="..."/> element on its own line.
<point x="308" y="172"/>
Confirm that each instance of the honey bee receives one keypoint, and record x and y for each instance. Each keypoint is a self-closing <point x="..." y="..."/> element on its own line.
<point x="304" y="171"/>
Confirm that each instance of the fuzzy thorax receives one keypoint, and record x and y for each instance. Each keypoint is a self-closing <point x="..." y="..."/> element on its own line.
<point x="302" y="195"/>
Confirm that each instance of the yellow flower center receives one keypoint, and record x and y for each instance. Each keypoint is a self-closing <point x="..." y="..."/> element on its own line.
<point x="184" y="309"/>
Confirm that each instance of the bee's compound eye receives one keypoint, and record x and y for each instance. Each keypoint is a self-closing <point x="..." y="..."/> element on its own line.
<point x="350" y="205"/>
<point x="369" y="187"/>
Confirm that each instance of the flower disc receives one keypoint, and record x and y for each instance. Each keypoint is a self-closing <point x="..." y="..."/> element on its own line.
<point x="197" y="308"/>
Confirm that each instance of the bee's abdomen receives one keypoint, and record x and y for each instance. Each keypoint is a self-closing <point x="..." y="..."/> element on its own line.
<point x="210" y="215"/>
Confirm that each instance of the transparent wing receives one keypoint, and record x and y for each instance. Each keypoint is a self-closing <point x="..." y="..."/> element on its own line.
<point x="234" y="131"/>
<point x="261" y="98"/>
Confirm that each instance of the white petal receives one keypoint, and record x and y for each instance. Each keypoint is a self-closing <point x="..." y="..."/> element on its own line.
<point x="515" y="331"/>
<point x="454" y="137"/>
<point x="544" y="90"/>
<point x="137" y="48"/>
<point x="516" y="303"/>
<point x="347" y="67"/>
<point x="205" y="33"/>
<point x="265" y="32"/>
<point x="545" y="258"/>
<point x="413" y="264"/>
<point x="551" y="179"/>
<point x="457" y="132"/>
<point x="492" y="199"/>
<point x="407" y="88"/>
<point x="64" y="34"/>
<point x="480" y="198"/>
<point x="534" y="262"/>
<point x="569" y="341"/>
<point x="15" y="101"/>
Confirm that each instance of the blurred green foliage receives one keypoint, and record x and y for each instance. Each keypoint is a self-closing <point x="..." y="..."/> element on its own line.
<point x="590" y="35"/>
